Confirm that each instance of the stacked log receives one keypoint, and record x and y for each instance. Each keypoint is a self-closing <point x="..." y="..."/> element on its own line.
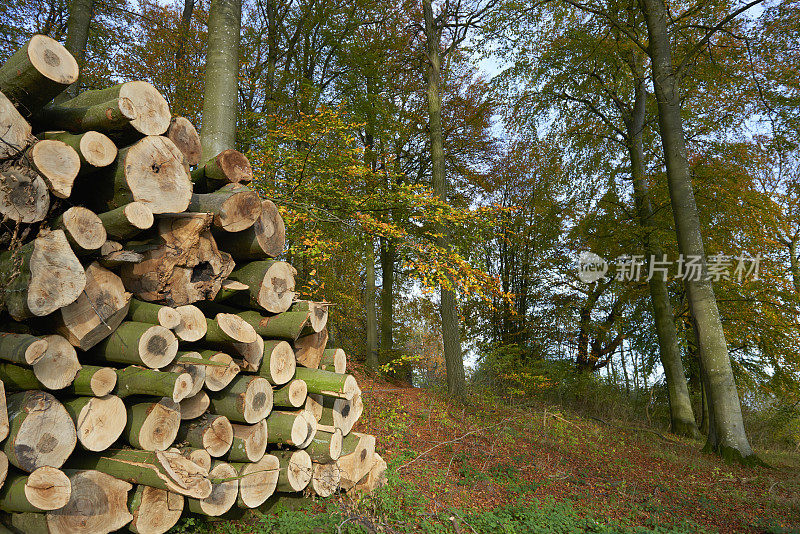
<point x="155" y="357"/>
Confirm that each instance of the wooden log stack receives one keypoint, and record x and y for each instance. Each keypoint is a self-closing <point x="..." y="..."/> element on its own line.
<point x="154" y="358"/>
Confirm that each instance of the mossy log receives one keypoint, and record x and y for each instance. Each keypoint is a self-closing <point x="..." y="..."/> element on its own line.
<point x="249" y="442"/>
<point x="152" y="426"/>
<point x="90" y="380"/>
<point x="286" y="428"/>
<point x="339" y="414"/>
<point x="94" y="149"/>
<point x="329" y="384"/>
<point x="135" y="380"/>
<point x="247" y="399"/>
<point x="211" y="432"/>
<point x="45" y="488"/>
<point x="127" y="220"/>
<point x="24" y="349"/>
<point x="291" y="395"/>
<point x="147" y="312"/>
<point x="325" y="447"/>
<point x="271" y="285"/>
<point x="138" y="344"/>
<point x="265" y="238"/>
<point x="333" y="360"/>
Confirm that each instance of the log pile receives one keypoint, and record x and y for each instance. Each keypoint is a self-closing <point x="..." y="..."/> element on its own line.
<point x="154" y="359"/>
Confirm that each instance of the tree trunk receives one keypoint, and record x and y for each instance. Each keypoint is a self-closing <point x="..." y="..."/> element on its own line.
<point x="388" y="253"/>
<point x="286" y="428"/>
<point x="222" y="70"/>
<point x="309" y="349"/>
<point x="235" y="210"/>
<point x="267" y="236"/>
<point x="41" y="431"/>
<point x="147" y="312"/>
<point x="128" y="220"/>
<point x="295" y="470"/>
<point x="98" y="420"/>
<point x="223" y="493"/>
<point x="150" y="171"/>
<point x="194" y="407"/>
<point x="97" y="505"/>
<point x="248" y="399"/>
<point x="94" y="149"/>
<point x="46" y="488"/>
<point x="369" y="307"/>
<point x="329" y="384"/>
<point x="219" y="377"/>
<point x="278" y="365"/>
<point x="448" y="304"/>
<point x="340" y="414"/>
<point x="185" y="136"/>
<point x="37" y="73"/>
<point x="135" y="380"/>
<point x="15" y="132"/>
<point x="326" y="447"/>
<point x="97" y="312"/>
<point x="22" y="348"/>
<point x="271" y="284"/>
<point x="83" y="228"/>
<point x="153" y="426"/>
<point x="333" y="360"/>
<point x="59" y="365"/>
<point x="56" y="162"/>
<point x="257" y="480"/>
<point x="138" y="344"/>
<point x="179" y="100"/>
<point x="192" y="326"/>
<point x="325" y="479"/>
<point x="42" y="276"/>
<point x="80" y="16"/>
<point x="213" y="433"/>
<point x="154" y="510"/>
<point x="291" y="395"/>
<point x="23" y="194"/>
<point x="730" y="439"/>
<point x="682" y="420"/>
<point x="249" y="442"/>
<point x="163" y="470"/>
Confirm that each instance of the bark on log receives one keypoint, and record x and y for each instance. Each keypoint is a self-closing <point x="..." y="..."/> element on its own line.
<point x="291" y="395"/>
<point x="46" y="488"/>
<point x="196" y="371"/>
<point x="325" y="479"/>
<point x="329" y="384"/>
<point x="182" y="266"/>
<point x="198" y="456"/>
<point x="41" y="431"/>
<point x="128" y="220"/>
<point x="42" y="276"/>
<point x="90" y="380"/>
<point x="3" y="468"/>
<point x="57" y="163"/>
<point x="193" y="323"/>
<point x="218" y="378"/>
<point x="211" y="432"/>
<point x="22" y="348"/>
<point x="83" y="228"/>
<point x="23" y="194"/>
<point x="295" y="470"/>
<point x="358" y="458"/>
<point x="287" y="428"/>
<point x="267" y="236"/>
<point x="333" y="360"/>
<point x="234" y="210"/>
<point x="325" y="447"/>
<point x="116" y="259"/>
<point x="227" y="328"/>
<point x="249" y="442"/>
<point x="376" y="477"/>
<point x="151" y="171"/>
<point x="123" y="111"/>
<point x="227" y="167"/>
<point x="59" y="365"/>
<point x="252" y="353"/>
<point x="185" y="136"/>
<point x="317" y="311"/>
<point x="147" y="312"/>
<point x="134" y="380"/>
<point x="287" y="326"/>
<point x="94" y="149"/>
<point x="167" y="470"/>
<point x="15" y="132"/>
<point x="224" y="491"/>
<point x="311" y="427"/>
<point x="309" y="348"/>
<point x="154" y="510"/>
<point x="153" y="426"/>
<point x="257" y="480"/>
<point x="97" y="312"/>
<point x="98" y="420"/>
<point x="36" y="73"/>
<point x="138" y="344"/>
<point x="278" y="365"/>
<point x="248" y="399"/>
<point x="97" y="505"/>
<point x="271" y="285"/>
<point x="194" y="407"/>
<point x="339" y="414"/>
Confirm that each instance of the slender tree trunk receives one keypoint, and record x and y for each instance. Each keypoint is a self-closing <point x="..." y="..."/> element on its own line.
<point x="388" y="253"/>
<point x="727" y="436"/>
<point x="682" y="420"/>
<point x="369" y="305"/>
<point x="794" y="264"/>
<point x="222" y="67"/>
<point x="625" y="369"/>
<point x="80" y="16"/>
<point x="448" y="305"/>
<point x="182" y="82"/>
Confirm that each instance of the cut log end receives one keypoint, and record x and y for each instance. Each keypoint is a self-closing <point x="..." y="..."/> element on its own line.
<point x="52" y="60"/>
<point x="58" y="163"/>
<point x="24" y="197"/>
<point x="219" y="377"/>
<point x="159" y="426"/>
<point x="47" y="488"/>
<point x="57" y="277"/>
<point x="282" y="363"/>
<point x="101" y="422"/>
<point x="249" y="443"/>
<point x="325" y="479"/>
<point x="299" y="470"/>
<point x="154" y="510"/>
<point x="84" y="229"/>
<point x="97" y="149"/>
<point x="195" y="406"/>
<point x="257" y="400"/>
<point x="152" y="111"/>
<point x="103" y="381"/>
<point x="183" y="133"/>
<point x="59" y="365"/>
<point x="258" y="481"/>
<point x="236" y="328"/>
<point x="223" y="493"/>
<point x="183" y="387"/>
<point x="217" y="439"/>
<point x="277" y="289"/>
<point x="139" y="215"/>
<point x="156" y="176"/>
<point x="157" y="347"/>
<point x="97" y="504"/>
<point x="192" y="325"/>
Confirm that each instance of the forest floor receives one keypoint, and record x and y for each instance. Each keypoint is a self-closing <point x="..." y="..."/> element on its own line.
<point x="489" y="467"/>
